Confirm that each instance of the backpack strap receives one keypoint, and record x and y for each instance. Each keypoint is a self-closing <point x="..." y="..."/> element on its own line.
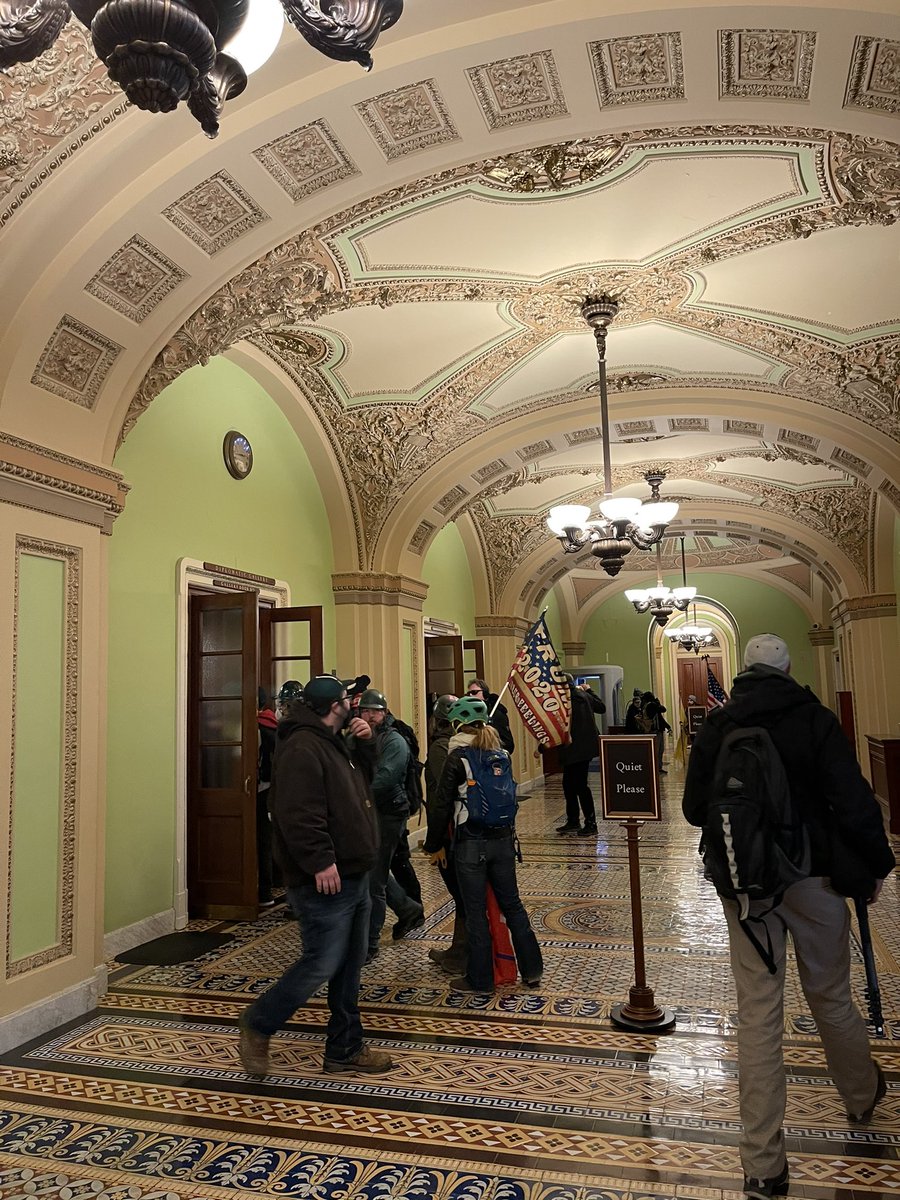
<point x="767" y="952"/>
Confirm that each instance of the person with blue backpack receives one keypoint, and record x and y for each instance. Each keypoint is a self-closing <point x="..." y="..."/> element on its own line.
<point x="477" y="795"/>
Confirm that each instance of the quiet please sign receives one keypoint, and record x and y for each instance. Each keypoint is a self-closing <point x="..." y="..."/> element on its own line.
<point x="630" y="782"/>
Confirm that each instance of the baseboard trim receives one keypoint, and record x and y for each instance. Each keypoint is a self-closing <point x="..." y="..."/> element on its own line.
<point x="129" y="936"/>
<point x="42" y="1016"/>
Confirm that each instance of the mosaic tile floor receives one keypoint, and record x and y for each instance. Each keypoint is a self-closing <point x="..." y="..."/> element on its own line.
<point x="519" y="1096"/>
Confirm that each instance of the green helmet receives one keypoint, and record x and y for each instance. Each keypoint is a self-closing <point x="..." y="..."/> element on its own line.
<point x="467" y="711"/>
<point x="290" y="690"/>
<point x="372" y="698"/>
<point x="442" y="707"/>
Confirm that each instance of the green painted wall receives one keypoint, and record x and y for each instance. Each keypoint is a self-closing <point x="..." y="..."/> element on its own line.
<point x="451" y="595"/>
<point x="554" y="623"/>
<point x="183" y="503"/>
<point x="616" y="634"/>
<point x="37" y="781"/>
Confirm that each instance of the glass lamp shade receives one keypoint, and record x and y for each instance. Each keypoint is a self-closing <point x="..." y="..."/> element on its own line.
<point x="685" y="593"/>
<point x="659" y="593"/>
<point x="567" y="516"/>
<point x="674" y="634"/>
<point x="636" y="595"/>
<point x="256" y="40"/>
<point x="620" y="508"/>
<point x="656" y="514"/>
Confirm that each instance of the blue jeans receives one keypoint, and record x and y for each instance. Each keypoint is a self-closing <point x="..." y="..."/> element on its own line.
<point x="481" y="861"/>
<point x="334" y="930"/>
<point x="383" y="886"/>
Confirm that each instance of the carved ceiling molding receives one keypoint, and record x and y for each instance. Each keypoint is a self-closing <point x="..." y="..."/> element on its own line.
<point x="843" y="514"/>
<point x="43" y="103"/>
<point x="298" y="281"/>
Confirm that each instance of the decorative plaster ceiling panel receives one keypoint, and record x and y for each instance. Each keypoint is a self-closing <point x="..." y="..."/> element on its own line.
<point x="658" y="346"/>
<point x="623" y="453"/>
<point x="400" y="348"/>
<point x="785" y="471"/>
<point x="565" y="364"/>
<point x="617" y="220"/>
<point x="839" y="280"/>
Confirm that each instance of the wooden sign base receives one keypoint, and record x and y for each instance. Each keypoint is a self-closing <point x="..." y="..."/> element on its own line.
<point x="640" y="1012"/>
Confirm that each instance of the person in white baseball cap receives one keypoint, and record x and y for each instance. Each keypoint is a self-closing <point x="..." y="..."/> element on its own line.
<point x="768" y="650"/>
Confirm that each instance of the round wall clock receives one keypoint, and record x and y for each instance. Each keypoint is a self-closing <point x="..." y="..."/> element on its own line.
<point x="238" y="454"/>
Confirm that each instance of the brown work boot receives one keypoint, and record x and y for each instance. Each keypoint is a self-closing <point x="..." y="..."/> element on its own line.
<point x="253" y="1048"/>
<point x="367" y="1062"/>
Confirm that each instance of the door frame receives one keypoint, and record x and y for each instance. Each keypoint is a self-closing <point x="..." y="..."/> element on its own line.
<point x="193" y="573"/>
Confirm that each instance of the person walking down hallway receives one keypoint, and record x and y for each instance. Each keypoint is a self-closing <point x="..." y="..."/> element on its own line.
<point x="575" y="758"/>
<point x="453" y="959"/>
<point x="326" y="841"/>
<point x="392" y="806"/>
<point x="267" y="723"/>
<point x="849" y="853"/>
<point x="484" y="852"/>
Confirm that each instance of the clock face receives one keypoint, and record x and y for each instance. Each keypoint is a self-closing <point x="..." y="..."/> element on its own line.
<point x="238" y="454"/>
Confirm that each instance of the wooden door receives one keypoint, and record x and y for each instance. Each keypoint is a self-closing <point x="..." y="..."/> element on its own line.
<point x="473" y="659"/>
<point x="691" y="682"/>
<point x="222" y="752"/>
<point x="290" y="646"/>
<point x="444" y="666"/>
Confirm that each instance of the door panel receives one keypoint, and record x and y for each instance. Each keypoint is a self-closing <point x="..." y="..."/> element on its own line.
<point x="222" y="748"/>
<point x="473" y="658"/>
<point x="444" y="667"/>
<point x="290" y="646"/>
<point x="691" y="682"/>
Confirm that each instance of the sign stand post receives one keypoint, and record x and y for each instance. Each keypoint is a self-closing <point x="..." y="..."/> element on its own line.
<point x="631" y="795"/>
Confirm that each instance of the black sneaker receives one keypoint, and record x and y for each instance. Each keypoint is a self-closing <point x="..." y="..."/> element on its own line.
<point x="865" y="1117"/>
<point x="407" y="924"/>
<point x="569" y="827"/>
<point x="588" y="830"/>
<point x="763" y="1189"/>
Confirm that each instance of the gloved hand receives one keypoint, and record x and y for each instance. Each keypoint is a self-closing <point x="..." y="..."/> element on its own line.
<point x="438" y="858"/>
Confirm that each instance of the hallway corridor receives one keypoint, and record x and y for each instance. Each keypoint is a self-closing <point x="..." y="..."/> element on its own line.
<point x="520" y="1096"/>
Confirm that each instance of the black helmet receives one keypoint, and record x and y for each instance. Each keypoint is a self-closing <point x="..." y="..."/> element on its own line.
<point x="442" y="707"/>
<point x="372" y="698"/>
<point x="468" y="711"/>
<point x="290" y="690"/>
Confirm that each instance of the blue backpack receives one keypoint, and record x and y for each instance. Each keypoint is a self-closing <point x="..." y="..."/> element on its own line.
<point x="490" y="794"/>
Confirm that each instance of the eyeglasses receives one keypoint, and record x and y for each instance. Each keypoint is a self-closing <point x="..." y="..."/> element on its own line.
<point x="474" y="692"/>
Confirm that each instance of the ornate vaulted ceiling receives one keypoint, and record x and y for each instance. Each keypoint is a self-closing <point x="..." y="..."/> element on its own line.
<point x="400" y="257"/>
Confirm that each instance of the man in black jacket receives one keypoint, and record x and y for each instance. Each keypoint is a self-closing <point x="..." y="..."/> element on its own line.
<point x="326" y="842"/>
<point x="845" y="825"/>
<point x="479" y="689"/>
<point x="575" y="759"/>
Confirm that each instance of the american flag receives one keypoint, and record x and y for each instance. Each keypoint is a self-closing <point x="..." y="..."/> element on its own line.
<point x="715" y="693"/>
<point x="539" y="688"/>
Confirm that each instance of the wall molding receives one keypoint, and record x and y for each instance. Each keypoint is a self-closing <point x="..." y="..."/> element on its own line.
<point x="129" y="936"/>
<point x="46" y="1014"/>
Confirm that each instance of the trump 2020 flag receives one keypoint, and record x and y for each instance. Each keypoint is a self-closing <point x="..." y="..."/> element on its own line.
<point x="715" y="693"/>
<point x="539" y="688"/>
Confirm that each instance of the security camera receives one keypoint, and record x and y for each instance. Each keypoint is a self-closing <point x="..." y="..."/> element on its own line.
<point x="816" y="625"/>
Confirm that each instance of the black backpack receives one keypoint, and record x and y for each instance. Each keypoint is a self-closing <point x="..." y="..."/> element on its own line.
<point x="754" y="844"/>
<point x="414" y="767"/>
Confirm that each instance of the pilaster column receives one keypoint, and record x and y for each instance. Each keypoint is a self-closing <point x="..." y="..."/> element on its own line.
<point x="378" y="632"/>
<point x="822" y="642"/>
<point x="867" y="635"/>
<point x="502" y="637"/>
<point x="573" y="653"/>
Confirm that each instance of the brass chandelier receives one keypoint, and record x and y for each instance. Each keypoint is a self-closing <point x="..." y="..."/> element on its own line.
<point x="625" y="523"/>
<point x="161" y="52"/>
<point x="690" y="636"/>
<point x="662" y="601"/>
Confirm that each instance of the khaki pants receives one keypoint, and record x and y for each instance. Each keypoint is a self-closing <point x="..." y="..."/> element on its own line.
<point x="819" y="923"/>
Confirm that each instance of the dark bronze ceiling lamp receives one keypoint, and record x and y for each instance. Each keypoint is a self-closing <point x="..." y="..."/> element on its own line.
<point x="161" y="52"/>
<point x="625" y="523"/>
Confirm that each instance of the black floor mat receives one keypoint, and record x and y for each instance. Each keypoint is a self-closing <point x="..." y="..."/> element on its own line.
<point x="174" y="948"/>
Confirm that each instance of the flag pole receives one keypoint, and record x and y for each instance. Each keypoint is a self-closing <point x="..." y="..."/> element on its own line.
<point x="506" y="685"/>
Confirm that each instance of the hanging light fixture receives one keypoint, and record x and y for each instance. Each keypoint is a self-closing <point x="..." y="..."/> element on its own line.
<point x="690" y="637"/>
<point x="161" y="52"/>
<point x="625" y="523"/>
<point x="662" y="601"/>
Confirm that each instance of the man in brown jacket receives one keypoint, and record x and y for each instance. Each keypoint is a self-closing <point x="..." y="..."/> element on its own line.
<point x="325" y="838"/>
